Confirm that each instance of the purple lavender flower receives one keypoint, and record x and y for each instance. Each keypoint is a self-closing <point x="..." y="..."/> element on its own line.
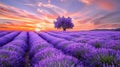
<point x="7" y="38"/>
<point x="81" y="40"/>
<point x="60" y="61"/>
<point x="117" y="61"/>
<point x="18" y="43"/>
<point x="38" y="47"/>
<point x="113" y="44"/>
<point x="62" y="45"/>
<point x="21" y="36"/>
<point x="11" y="59"/>
<point x="13" y="48"/>
<point x="46" y="53"/>
<point x="79" y="50"/>
<point x="97" y="43"/>
<point x="57" y="41"/>
<point x="3" y="33"/>
<point x="61" y="36"/>
<point x="102" y="57"/>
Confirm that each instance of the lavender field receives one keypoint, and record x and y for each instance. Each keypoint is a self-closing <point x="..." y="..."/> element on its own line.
<point x="60" y="49"/>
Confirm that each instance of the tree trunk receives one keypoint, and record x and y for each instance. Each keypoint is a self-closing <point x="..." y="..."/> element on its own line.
<point x="64" y="29"/>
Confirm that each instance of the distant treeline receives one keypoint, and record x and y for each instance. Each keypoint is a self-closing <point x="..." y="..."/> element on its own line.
<point x="117" y="29"/>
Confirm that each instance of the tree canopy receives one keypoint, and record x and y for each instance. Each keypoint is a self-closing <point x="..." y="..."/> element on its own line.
<point x="64" y="23"/>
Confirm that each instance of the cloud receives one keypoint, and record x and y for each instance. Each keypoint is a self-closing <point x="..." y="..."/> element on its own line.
<point x="104" y="4"/>
<point x="85" y="15"/>
<point x="100" y="19"/>
<point x="64" y="0"/>
<point x="49" y="1"/>
<point x="19" y="17"/>
<point x="50" y="11"/>
<point x="26" y="18"/>
<point x="56" y="9"/>
<point x="90" y="19"/>
<point x="32" y="5"/>
<point x="9" y="12"/>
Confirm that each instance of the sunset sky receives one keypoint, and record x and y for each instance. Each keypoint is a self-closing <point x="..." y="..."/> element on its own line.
<point x="40" y="14"/>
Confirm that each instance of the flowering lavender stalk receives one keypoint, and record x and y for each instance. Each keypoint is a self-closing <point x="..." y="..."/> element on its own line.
<point x="12" y="54"/>
<point x="3" y="33"/>
<point x="46" y="53"/>
<point x="97" y="43"/>
<point x="7" y="38"/>
<point x="60" y="61"/>
<point x="103" y="57"/>
<point x="113" y="44"/>
<point x="79" y="50"/>
<point x="62" y="45"/>
<point x="11" y="59"/>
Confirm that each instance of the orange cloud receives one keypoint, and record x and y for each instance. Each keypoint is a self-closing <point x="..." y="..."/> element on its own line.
<point x="104" y="4"/>
<point x="25" y="19"/>
<point x="9" y="12"/>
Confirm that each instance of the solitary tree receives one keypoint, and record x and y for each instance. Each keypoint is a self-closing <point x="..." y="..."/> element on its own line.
<point x="64" y="23"/>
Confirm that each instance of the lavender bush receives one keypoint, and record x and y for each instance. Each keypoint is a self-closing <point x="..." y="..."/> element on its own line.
<point x="60" y="61"/>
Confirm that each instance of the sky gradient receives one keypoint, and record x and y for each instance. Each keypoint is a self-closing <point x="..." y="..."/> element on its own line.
<point x="40" y="14"/>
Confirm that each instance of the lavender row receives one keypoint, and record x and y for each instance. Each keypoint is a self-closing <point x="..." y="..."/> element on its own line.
<point x="95" y="34"/>
<point x="97" y="42"/>
<point x="91" y="56"/>
<point x="3" y="33"/>
<point x="90" y="34"/>
<point x="7" y="38"/>
<point x="61" y="36"/>
<point x="70" y="38"/>
<point x="12" y="54"/>
<point x="43" y="54"/>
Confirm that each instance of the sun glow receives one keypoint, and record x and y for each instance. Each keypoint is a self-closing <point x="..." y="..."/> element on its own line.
<point x="39" y="27"/>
